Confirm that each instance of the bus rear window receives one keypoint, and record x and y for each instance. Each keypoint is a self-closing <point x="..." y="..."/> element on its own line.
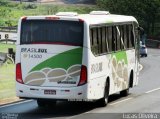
<point x="52" y="32"/>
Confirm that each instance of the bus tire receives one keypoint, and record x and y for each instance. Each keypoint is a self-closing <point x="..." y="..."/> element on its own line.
<point x="124" y="92"/>
<point x="41" y="103"/>
<point x="46" y="103"/>
<point x="104" y="101"/>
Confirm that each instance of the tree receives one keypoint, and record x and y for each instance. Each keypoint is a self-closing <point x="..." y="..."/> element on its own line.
<point x="146" y="11"/>
<point x="3" y="2"/>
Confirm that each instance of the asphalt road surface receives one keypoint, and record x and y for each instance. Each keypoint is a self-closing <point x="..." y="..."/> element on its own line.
<point x="145" y="98"/>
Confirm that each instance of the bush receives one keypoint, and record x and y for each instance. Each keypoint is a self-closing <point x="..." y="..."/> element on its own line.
<point x="145" y="11"/>
<point x="3" y="2"/>
<point x="30" y="6"/>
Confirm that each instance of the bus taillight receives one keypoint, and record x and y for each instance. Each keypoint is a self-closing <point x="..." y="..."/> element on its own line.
<point x="19" y="73"/>
<point x="83" y="76"/>
<point x="24" y="18"/>
<point x="81" y="20"/>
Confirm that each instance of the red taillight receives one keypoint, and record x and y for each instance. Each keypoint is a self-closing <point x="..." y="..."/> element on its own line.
<point x="83" y="76"/>
<point x="19" y="73"/>
<point x="24" y="18"/>
<point x="81" y="20"/>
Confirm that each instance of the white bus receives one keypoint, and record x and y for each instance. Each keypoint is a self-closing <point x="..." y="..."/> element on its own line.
<point x="75" y="57"/>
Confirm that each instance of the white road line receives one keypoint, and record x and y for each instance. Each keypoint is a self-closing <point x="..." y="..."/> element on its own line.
<point x="153" y="90"/>
<point x="16" y="103"/>
<point x="140" y="67"/>
<point x="75" y="116"/>
<point x="120" y="101"/>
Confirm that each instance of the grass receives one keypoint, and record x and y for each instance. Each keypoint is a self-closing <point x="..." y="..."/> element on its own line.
<point x="4" y="47"/>
<point x="7" y="75"/>
<point x="15" y="10"/>
<point x="7" y="81"/>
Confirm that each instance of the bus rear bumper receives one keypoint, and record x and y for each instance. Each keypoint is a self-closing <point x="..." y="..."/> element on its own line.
<point x="57" y="93"/>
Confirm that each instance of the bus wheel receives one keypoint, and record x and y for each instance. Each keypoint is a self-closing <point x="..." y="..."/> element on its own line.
<point x="41" y="103"/>
<point x="104" y="101"/>
<point x="124" y="92"/>
<point x="46" y="103"/>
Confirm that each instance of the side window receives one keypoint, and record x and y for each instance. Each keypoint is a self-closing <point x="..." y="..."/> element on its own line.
<point x="91" y="37"/>
<point x="99" y="39"/>
<point x="125" y="36"/>
<point x="130" y="43"/>
<point x="132" y="39"/>
<point x="128" y="35"/>
<point x="118" y="38"/>
<point x="109" y="37"/>
<point x="121" y="36"/>
<point x="104" y="43"/>
<point x="93" y="40"/>
<point x="113" y="39"/>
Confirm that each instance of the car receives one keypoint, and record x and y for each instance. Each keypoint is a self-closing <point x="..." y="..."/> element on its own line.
<point x="143" y="51"/>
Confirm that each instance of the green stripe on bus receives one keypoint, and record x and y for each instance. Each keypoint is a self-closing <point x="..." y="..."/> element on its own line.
<point x="63" y="60"/>
<point x="121" y="56"/>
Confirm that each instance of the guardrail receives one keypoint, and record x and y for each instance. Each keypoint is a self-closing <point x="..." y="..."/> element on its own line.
<point x="8" y="37"/>
<point x="7" y="40"/>
<point x="8" y="29"/>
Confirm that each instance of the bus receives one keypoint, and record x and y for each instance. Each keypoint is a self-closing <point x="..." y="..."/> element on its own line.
<point x="76" y="57"/>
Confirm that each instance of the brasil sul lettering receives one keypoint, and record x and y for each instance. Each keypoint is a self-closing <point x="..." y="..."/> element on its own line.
<point x="34" y="50"/>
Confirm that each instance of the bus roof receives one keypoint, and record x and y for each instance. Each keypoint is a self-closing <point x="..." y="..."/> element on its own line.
<point x="88" y="18"/>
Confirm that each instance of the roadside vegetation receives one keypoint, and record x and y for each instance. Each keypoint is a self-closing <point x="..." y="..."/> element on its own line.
<point x="12" y="11"/>
<point x="147" y="12"/>
<point x="7" y="75"/>
<point x="4" y="47"/>
<point x="7" y="80"/>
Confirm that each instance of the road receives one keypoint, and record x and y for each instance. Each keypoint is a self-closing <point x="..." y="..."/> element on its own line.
<point x="145" y="98"/>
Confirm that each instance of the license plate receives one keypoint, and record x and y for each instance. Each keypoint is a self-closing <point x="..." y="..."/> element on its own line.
<point x="50" y="92"/>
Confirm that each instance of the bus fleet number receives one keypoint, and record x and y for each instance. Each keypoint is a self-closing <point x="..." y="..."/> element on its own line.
<point x="95" y="68"/>
<point x="35" y="56"/>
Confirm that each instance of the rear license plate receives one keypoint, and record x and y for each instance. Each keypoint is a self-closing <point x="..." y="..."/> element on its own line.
<point x="50" y="92"/>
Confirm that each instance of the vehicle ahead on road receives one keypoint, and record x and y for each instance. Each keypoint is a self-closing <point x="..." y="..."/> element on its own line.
<point x="76" y="57"/>
<point x="143" y="50"/>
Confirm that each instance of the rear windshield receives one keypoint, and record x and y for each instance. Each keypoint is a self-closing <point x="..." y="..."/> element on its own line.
<point x="52" y="32"/>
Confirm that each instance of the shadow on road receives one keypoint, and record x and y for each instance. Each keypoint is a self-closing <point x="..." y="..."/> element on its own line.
<point x="64" y="109"/>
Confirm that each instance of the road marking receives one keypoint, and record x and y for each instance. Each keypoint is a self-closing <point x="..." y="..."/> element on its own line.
<point x="71" y="117"/>
<point x="16" y="103"/>
<point x="120" y="101"/>
<point x="153" y="90"/>
<point x="140" y="67"/>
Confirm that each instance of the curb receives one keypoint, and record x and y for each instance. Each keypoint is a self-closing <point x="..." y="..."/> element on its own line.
<point x="7" y="101"/>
